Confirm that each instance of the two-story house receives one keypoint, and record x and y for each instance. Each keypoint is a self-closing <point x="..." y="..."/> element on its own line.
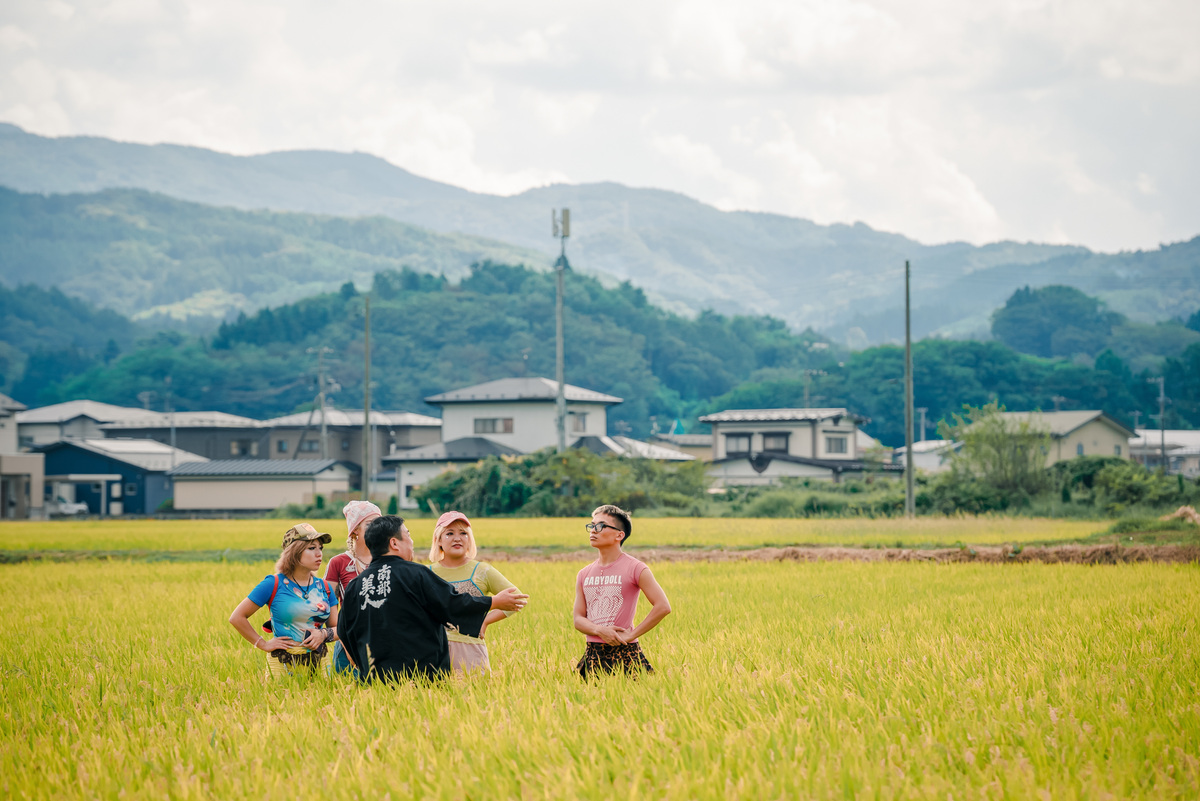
<point x="505" y="417"/>
<point x="761" y="446"/>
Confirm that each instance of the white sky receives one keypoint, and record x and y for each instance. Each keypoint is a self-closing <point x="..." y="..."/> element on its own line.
<point x="1073" y="121"/>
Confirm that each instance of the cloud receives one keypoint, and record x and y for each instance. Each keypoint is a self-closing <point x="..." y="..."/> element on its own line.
<point x="1026" y="119"/>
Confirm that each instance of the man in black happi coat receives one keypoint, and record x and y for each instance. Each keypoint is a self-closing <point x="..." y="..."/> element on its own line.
<point x="394" y="615"/>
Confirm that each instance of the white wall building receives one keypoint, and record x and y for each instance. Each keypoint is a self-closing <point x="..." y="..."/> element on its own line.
<point x="762" y="446"/>
<point x="520" y="412"/>
<point x="506" y="417"/>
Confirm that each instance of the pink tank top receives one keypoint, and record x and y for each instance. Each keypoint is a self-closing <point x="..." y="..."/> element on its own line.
<point x="611" y="592"/>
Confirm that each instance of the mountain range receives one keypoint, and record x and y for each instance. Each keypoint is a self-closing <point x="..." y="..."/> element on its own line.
<point x="687" y="256"/>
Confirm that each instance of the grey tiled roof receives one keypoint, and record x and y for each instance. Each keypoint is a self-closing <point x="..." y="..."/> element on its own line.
<point x="520" y="389"/>
<point x="774" y="415"/>
<point x="464" y="449"/>
<point x="255" y="467"/>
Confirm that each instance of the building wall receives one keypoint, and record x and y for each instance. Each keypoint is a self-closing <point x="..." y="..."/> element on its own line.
<point x="212" y="443"/>
<point x="739" y="473"/>
<point x="410" y="475"/>
<point x="345" y="442"/>
<point x="8" y="433"/>
<point x="242" y="493"/>
<point x="31" y="434"/>
<point x="22" y="488"/>
<point x="533" y="422"/>
<point x="138" y="492"/>
<point x="800" y="437"/>
<point x="1096" y="438"/>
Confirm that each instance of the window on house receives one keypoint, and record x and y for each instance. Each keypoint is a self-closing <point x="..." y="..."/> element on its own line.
<point x="243" y="447"/>
<point x="737" y="443"/>
<point x="775" y="443"/>
<point x="131" y="489"/>
<point x="281" y="446"/>
<point x="1116" y="450"/>
<point x="578" y="422"/>
<point x="98" y="488"/>
<point x="310" y="446"/>
<point x="835" y="444"/>
<point x="493" y="425"/>
<point x="1079" y="449"/>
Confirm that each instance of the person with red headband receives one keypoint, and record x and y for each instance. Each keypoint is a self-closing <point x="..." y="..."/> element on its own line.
<point x="452" y="558"/>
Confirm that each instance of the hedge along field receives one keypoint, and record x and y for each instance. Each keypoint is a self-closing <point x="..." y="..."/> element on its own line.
<point x="206" y="535"/>
<point x="834" y="680"/>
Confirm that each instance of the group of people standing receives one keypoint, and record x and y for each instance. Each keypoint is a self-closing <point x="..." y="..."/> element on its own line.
<point x="389" y="617"/>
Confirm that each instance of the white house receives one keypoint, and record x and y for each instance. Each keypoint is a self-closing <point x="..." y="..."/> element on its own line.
<point x="762" y="446"/>
<point x="416" y="466"/>
<point x="1182" y="449"/>
<point x="506" y="417"/>
<point x="520" y="412"/>
<point x="929" y="455"/>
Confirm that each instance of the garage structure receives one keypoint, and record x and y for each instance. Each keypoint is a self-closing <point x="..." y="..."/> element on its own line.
<point x="257" y="485"/>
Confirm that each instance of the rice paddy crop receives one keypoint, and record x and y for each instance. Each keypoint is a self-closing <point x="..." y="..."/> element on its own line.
<point x="774" y="680"/>
<point x="210" y="535"/>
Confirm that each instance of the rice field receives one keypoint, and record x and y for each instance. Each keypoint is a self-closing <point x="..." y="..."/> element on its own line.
<point x="122" y="679"/>
<point x="210" y="535"/>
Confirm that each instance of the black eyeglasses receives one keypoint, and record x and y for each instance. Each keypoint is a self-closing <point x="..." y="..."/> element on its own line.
<point x="597" y="528"/>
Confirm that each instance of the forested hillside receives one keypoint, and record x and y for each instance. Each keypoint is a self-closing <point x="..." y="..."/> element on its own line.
<point x="144" y="254"/>
<point x="845" y="279"/>
<point x="430" y="335"/>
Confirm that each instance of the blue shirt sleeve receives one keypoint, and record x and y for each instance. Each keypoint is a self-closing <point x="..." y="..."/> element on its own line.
<point x="262" y="593"/>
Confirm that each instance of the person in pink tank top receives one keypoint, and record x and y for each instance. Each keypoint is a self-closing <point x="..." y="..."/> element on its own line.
<point x="606" y="594"/>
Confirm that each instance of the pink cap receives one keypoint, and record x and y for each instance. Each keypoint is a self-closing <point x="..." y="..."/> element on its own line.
<point x="450" y="517"/>
<point x="358" y="511"/>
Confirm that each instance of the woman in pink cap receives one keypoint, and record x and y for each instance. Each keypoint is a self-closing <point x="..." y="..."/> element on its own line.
<point x="452" y="558"/>
<point x="345" y="567"/>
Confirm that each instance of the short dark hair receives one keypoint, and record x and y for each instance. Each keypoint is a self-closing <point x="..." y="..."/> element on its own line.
<point x="380" y="532"/>
<point x="618" y="514"/>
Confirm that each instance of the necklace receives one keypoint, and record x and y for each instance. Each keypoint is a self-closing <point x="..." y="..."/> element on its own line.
<point x="306" y="589"/>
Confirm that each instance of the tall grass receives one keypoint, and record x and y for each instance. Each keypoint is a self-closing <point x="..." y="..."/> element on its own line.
<point x="773" y="681"/>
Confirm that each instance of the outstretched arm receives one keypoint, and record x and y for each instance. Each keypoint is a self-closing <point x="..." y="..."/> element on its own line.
<point x="660" y="607"/>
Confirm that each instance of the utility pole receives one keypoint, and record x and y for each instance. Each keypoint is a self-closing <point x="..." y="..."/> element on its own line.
<point x="1137" y="417"/>
<point x="910" y="506"/>
<point x="368" y="465"/>
<point x="1058" y="401"/>
<point x="808" y="376"/>
<point x="561" y="227"/>
<point x="321" y="351"/>
<point x="1162" y="421"/>
<point x="922" y="410"/>
<point x="171" y="416"/>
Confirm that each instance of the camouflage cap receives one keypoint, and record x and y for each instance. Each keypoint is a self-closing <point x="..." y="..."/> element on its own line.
<point x="304" y="532"/>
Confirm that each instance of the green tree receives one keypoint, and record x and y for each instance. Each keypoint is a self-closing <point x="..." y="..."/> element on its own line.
<point x="1006" y="452"/>
<point x="1053" y="321"/>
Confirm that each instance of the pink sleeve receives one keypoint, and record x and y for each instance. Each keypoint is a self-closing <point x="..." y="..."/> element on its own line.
<point x="637" y="573"/>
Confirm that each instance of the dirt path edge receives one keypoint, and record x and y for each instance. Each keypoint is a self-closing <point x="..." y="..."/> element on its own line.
<point x="1056" y="554"/>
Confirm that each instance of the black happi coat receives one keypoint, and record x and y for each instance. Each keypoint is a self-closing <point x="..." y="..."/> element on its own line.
<point x="392" y="620"/>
